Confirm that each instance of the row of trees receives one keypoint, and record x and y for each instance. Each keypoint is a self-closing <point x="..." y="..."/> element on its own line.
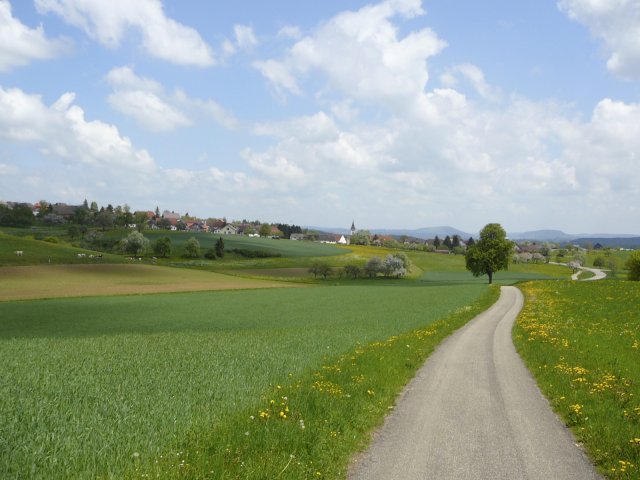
<point x="393" y="265"/>
<point x="137" y="244"/>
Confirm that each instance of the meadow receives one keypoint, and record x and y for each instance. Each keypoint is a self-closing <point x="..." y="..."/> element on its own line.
<point x="582" y="343"/>
<point x="118" y="387"/>
<point x="277" y="383"/>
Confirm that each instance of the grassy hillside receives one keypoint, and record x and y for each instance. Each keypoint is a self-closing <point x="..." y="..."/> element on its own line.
<point x="40" y="252"/>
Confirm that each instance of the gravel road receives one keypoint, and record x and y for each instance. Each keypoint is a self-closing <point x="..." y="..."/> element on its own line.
<point x="474" y="412"/>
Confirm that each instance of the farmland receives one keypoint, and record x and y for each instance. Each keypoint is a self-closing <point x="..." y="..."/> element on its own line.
<point x="102" y="386"/>
<point x="582" y="343"/>
<point x="234" y="377"/>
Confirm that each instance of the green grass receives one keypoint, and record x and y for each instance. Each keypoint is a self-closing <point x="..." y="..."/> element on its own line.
<point x="100" y="387"/>
<point x="581" y="340"/>
<point x="39" y="252"/>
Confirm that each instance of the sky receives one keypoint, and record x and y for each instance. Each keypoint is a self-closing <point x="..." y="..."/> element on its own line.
<point x="395" y="114"/>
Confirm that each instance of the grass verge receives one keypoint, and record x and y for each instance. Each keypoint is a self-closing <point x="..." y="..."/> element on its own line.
<point x="582" y="343"/>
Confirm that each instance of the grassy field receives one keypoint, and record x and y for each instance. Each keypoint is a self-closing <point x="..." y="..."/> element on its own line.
<point x="37" y="252"/>
<point x="55" y="281"/>
<point x="108" y="386"/>
<point x="582" y="343"/>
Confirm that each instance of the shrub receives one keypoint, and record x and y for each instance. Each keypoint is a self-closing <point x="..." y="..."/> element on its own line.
<point x="50" y="239"/>
<point x="633" y="266"/>
<point x="192" y="248"/>
<point x="598" y="262"/>
<point x="210" y="254"/>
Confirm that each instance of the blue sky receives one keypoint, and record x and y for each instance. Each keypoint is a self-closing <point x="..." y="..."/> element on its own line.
<point x="399" y="113"/>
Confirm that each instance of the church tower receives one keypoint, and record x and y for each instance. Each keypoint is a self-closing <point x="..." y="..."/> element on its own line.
<point x="353" y="227"/>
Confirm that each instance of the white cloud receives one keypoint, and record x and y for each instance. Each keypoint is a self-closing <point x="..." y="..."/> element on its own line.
<point x="374" y="64"/>
<point x="245" y="38"/>
<point x="108" y="22"/>
<point x="617" y="24"/>
<point x="290" y="32"/>
<point x="20" y="44"/>
<point x="279" y="75"/>
<point x="315" y="128"/>
<point x="148" y="110"/>
<point x="146" y="101"/>
<point x="474" y="75"/>
<point x="62" y="131"/>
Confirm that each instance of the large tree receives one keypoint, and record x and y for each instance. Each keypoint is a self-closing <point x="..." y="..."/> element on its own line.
<point x="490" y="253"/>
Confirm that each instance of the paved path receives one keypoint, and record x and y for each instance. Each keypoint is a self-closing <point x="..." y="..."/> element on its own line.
<point x="597" y="274"/>
<point x="474" y="412"/>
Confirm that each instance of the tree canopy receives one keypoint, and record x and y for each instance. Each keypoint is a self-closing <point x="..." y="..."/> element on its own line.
<point x="490" y="253"/>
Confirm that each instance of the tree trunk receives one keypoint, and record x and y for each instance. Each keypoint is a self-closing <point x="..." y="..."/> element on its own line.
<point x="490" y="277"/>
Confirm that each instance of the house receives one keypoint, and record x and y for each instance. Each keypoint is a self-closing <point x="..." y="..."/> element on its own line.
<point x="197" y="227"/>
<point x="171" y="217"/>
<point x="65" y="211"/>
<point x="296" y="236"/>
<point x="331" y="238"/>
<point x="228" y="229"/>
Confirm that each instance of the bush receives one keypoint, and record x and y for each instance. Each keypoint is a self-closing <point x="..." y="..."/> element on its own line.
<point x="135" y="244"/>
<point x="162" y="247"/>
<point x="210" y="254"/>
<point x="51" y="240"/>
<point x="633" y="266"/>
<point x="598" y="262"/>
<point x="352" y="271"/>
<point x="192" y="248"/>
<point x="320" y="268"/>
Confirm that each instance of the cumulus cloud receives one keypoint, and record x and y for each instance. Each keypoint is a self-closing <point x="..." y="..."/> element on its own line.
<point x="375" y="63"/>
<point x="146" y="101"/>
<point x="108" y="23"/>
<point x="61" y="130"/>
<point x="20" y="44"/>
<point x="617" y="24"/>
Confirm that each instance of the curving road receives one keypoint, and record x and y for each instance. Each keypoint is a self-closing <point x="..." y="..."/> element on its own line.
<point x="474" y="412"/>
<point x="597" y="274"/>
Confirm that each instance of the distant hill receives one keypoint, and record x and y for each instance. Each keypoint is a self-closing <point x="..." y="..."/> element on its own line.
<point x="557" y="236"/>
<point x="542" y="236"/>
<point x="614" y="242"/>
<point x="422" y="233"/>
<point x="425" y="233"/>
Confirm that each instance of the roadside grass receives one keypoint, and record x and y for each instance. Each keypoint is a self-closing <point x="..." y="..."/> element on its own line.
<point x="56" y="281"/>
<point x="106" y="386"/>
<point x="40" y="252"/>
<point x="581" y="340"/>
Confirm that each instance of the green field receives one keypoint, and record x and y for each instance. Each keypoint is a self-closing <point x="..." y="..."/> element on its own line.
<point x="37" y="252"/>
<point x="582" y="343"/>
<point x="283" y="247"/>
<point x="102" y="386"/>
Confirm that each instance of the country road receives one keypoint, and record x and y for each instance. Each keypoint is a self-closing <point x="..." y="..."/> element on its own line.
<point x="474" y="412"/>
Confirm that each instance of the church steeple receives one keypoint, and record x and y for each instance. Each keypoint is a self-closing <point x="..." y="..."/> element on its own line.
<point x="353" y="227"/>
